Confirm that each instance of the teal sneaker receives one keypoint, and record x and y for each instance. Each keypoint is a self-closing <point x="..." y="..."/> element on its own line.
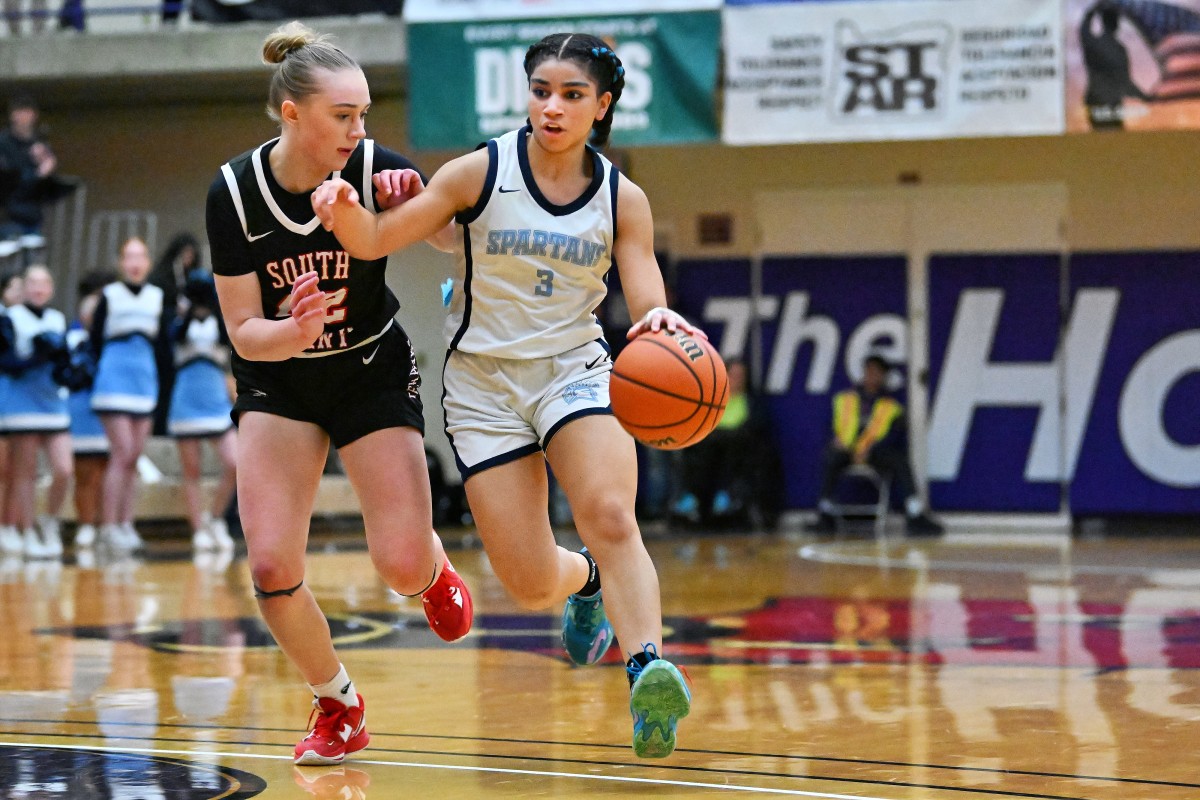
<point x="659" y="699"/>
<point x="586" y="632"/>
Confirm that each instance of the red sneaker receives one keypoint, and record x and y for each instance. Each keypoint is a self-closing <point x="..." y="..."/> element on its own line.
<point x="339" y="731"/>
<point x="448" y="605"/>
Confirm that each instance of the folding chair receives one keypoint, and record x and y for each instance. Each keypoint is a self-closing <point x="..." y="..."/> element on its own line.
<point x="878" y="510"/>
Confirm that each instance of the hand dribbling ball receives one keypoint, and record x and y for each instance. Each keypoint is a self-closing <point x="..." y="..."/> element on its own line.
<point x="668" y="390"/>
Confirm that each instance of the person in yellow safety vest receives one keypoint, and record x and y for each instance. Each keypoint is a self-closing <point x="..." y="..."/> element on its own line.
<point x="869" y="428"/>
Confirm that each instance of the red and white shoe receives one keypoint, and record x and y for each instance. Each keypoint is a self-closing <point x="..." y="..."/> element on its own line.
<point x="448" y="605"/>
<point x="339" y="731"/>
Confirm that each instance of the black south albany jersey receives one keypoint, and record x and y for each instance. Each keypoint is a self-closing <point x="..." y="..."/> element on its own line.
<point x="257" y="227"/>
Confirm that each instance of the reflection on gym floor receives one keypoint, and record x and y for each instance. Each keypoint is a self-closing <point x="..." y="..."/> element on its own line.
<point x="972" y="666"/>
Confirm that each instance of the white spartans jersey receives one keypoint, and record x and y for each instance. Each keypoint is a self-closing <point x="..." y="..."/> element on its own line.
<point x="530" y="273"/>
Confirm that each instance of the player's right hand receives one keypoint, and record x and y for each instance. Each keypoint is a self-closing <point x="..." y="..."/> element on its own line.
<point x="660" y="318"/>
<point x="326" y="197"/>
<point x="395" y="186"/>
<point x="308" y="307"/>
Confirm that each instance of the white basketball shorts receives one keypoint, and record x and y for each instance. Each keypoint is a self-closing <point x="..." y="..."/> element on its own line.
<point x="502" y="409"/>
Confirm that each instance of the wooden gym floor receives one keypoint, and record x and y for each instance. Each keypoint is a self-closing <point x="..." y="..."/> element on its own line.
<point x="969" y="668"/>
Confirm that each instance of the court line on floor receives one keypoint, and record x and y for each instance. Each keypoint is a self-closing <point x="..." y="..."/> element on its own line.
<point x="453" y="767"/>
<point x="606" y="746"/>
<point x="740" y="773"/>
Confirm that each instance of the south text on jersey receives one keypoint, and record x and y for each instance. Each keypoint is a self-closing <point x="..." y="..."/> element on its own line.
<point x="329" y="264"/>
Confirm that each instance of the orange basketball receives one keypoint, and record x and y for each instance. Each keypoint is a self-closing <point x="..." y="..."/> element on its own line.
<point x="668" y="389"/>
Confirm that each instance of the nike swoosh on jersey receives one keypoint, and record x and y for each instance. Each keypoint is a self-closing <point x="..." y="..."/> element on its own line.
<point x="370" y="358"/>
<point x="259" y="236"/>
<point x="594" y="362"/>
<point x="506" y="191"/>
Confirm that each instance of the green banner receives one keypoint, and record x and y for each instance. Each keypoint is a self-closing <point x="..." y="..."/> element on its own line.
<point x="467" y="83"/>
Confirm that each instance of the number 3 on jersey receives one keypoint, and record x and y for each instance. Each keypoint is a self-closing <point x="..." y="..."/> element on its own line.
<point x="335" y="306"/>
<point x="546" y="287"/>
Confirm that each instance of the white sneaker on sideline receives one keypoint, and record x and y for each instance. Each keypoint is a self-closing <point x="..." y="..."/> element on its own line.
<point x="202" y="539"/>
<point x="132" y="540"/>
<point x="219" y="532"/>
<point x="85" y="536"/>
<point x="51" y="536"/>
<point x="112" y="536"/>
<point x="11" y="541"/>
<point x="34" y="546"/>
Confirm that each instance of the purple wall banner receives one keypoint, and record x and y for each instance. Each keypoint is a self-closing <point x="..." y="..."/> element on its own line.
<point x="1141" y="450"/>
<point x="994" y="384"/>
<point x="819" y="317"/>
<point x="1054" y="383"/>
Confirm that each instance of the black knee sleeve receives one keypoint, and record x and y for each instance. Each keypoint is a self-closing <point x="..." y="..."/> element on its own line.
<point x="265" y="595"/>
<point x="432" y="580"/>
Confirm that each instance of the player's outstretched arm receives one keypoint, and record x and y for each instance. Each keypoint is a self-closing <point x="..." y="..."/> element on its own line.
<point x="641" y="279"/>
<point x="370" y="236"/>
<point x="255" y="338"/>
<point x="396" y="186"/>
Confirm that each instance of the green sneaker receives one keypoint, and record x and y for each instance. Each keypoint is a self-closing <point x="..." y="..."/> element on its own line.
<point x="586" y="632"/>
<point x="660" y="697"/>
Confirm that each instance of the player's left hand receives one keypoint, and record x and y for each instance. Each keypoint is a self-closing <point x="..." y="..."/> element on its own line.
<point x="658" y="318"/>
<point x="394" y="186"/>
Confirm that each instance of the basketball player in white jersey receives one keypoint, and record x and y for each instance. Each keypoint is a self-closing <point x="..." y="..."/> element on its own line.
<point x="542" y="217"/>
<point x="318" y="358"/>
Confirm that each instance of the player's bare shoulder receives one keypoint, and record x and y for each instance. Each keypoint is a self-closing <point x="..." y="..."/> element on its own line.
<point x="633" y="205"/>
<point x="463" y="178"/>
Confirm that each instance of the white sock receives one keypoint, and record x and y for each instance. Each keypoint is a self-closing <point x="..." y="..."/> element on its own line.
<point x="339" y="688"/>
<point x="913" y="506"/>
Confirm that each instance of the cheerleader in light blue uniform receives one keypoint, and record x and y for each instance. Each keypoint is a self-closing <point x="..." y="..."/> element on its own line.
<point x="35" y="414"/>
<point x="200" y="408"/>
<point x="126" y="324"/>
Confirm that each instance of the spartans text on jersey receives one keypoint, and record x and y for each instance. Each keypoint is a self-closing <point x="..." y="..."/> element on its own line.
<point x="545" y="244"/>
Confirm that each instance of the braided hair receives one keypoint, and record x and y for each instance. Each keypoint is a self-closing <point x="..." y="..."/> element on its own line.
<point x="297" y="53"/>
<point x="596" y="58"/>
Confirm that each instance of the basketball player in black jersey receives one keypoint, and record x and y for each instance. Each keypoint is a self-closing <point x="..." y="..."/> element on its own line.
<point x="319" y="359"/>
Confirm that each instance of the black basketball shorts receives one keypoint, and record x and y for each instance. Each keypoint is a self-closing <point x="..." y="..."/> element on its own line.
<point x="348" y="395"/>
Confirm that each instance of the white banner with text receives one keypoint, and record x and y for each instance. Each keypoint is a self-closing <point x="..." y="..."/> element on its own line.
<point x="864" y="71"/>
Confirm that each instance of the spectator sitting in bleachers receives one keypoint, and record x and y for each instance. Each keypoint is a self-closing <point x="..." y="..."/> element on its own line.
<point x="869" y="428"/>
